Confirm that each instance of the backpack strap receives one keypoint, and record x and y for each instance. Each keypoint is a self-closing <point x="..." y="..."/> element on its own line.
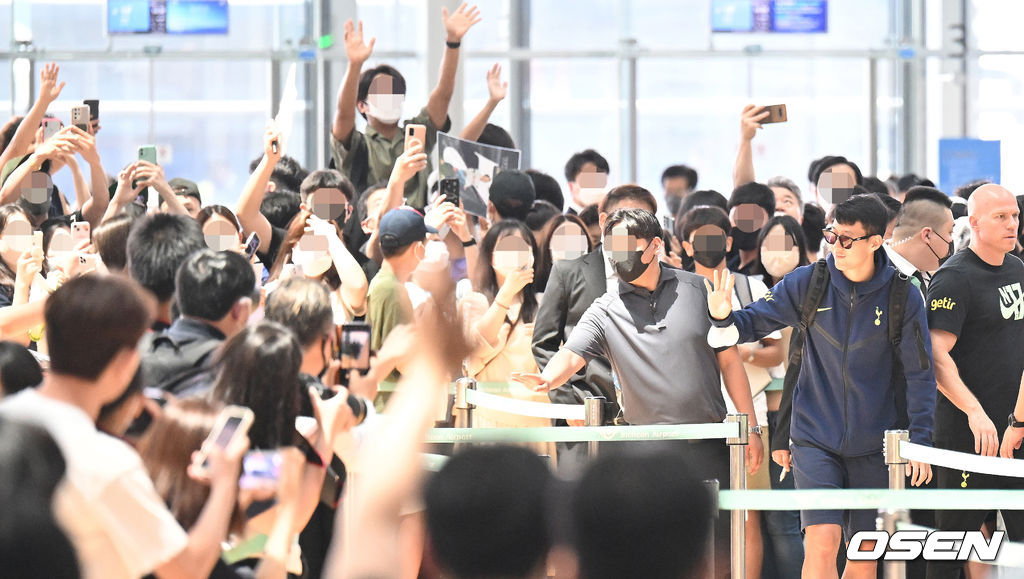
<point x="897" y="308"/>
<point x="808" y="309"/>
<point x="742" y="287"/>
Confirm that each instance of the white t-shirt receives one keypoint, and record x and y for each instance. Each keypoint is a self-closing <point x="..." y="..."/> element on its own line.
<point x="107" y="505"/>
<point x="757" y="291"/>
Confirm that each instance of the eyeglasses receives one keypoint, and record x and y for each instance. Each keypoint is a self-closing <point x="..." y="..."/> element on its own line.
<point x="844" y="240"/>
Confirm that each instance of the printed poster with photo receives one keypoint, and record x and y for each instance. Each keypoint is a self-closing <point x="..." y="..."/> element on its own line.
<point x="475" y="166"/>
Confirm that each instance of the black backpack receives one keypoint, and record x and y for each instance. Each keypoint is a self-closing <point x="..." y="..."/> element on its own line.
<point x="808" y="309"/>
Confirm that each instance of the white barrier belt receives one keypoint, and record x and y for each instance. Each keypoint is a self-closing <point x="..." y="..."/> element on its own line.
<point x="433" y="462"/>
<point x="830" y="499"/>
<point x="525" y="408"/>
<point x="1011" y="554"/>
<point x="962" y="460"/>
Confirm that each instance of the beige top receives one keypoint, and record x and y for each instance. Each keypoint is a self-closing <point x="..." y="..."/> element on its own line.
<point x="494" y="362"/>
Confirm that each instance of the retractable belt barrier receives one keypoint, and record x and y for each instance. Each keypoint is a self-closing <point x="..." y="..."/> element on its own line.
<point x="526" y="408"/>
<point x="583" y="433"/>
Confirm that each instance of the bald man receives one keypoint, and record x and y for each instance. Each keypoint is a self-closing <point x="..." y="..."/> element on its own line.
<point x="976" y="315"/>
<point x="923" y="237"/>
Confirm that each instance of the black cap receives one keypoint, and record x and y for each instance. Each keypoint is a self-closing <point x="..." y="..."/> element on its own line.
<point x="185" y="187"/>
<point x="512" y="194"/>
<point x="402" y="226"/>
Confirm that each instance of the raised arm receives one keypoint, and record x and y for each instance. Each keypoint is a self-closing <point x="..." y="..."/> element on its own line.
<point x="412" y="161"/>
<point x="456" y="25"/>
<point x="497" y="91"/>
<point x="750" y="122"/>
<point x="49" y="90"/>
<point x="248" y="208"/>
<point x="60" y="145"/>
<point x="353" y="278"/>
<point x="95" y="207"/>
<point x="124" y="194"/>
<point x="358" y="52"/>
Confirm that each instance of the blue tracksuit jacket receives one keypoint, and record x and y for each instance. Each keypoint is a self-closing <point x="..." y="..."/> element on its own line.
<point x="844" y="400"/>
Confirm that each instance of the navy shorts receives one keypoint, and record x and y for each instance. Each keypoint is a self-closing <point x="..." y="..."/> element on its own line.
<point x="814" y="468"/>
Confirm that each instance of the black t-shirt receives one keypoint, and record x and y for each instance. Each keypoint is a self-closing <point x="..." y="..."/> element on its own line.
<point x="983" y="305"/>
<point x="277" y="235"/>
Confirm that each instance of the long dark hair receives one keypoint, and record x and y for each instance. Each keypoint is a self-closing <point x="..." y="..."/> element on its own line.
<point x="296" y="229"/>
<point x="545" y="262"/>
<point x="487" y="280"/>
<point x="7" y="273"/>
<point x="259" y="368"/>
<point x="210" y="210"/>
<point x="166" y="450"/>
<point x="794" y="231"/>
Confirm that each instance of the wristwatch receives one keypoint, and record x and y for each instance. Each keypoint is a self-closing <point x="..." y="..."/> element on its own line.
<point x="1013" y="423"/>
<point x="757" y="429"/>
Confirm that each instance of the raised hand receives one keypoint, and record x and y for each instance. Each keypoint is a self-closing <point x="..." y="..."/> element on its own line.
<point x="29" y="264"/>
<point x="514" y="283"/>
<point x="495" y="87"/>
<point x="49" y="90"/>
<point x="720" y="296"/>
<point x="750" y="121"/>
<point x="412" y="161"/>
<point x="357" y="50"/>
<point x="271" y="136"/>
<point x="150" y="175"/>
<point x="460" y="21"/>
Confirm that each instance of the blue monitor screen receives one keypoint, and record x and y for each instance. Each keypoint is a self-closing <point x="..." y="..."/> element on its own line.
<point x="197" y="16"/>
<point x="127" y="16"/>
<point x="167" y="16"/>
<point x="771" y="16"/>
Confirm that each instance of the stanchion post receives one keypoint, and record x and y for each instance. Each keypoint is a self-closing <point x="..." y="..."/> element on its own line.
<point x="592" y="406"/>
<point x="738" y="482"/>
<point x="713" y="487"/>
<point x="888" y="518"/>
<point x="462" y="410"/>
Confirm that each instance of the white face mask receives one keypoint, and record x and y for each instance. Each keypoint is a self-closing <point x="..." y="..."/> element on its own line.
<point x="779" y="263"/>
<point x="386" y="108"/>
<point x="592" y="195"/>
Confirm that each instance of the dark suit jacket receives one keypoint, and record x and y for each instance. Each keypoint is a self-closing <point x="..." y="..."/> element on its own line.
<point x="572" y="287"/>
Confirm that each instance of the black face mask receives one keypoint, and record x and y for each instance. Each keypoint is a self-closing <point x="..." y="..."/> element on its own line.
<point x="631" y="267"/>
<point x="744" y="240"/>
<point x="949" y="254"/>
<point x="709" y="258"/>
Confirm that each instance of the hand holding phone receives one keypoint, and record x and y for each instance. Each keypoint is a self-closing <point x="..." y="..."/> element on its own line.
<point x="776" y="114"/>
<point x="251" y="245"/>
<point x="449" y="189"/>
<point x="80" y="117"/>
<point x="232" y="425"/>
<point x="80" y="231"/>
<point x="353" y="346"/>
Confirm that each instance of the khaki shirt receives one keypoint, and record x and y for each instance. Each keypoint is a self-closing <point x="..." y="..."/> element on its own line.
<point x="381" y="153"/>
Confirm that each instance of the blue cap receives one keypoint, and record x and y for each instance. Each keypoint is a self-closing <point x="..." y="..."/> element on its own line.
<point x="402" y="226"/>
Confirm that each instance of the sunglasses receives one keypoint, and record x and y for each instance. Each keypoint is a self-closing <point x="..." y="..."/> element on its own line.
<point x="845" y="241"/>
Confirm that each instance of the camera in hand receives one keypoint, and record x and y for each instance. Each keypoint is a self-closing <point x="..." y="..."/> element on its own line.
<point x="355" y="403"/>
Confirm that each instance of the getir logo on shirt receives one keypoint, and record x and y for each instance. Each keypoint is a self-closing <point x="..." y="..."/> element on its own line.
<point x="943" y="304"/>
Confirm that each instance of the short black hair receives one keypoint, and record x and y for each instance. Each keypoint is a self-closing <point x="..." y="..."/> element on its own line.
<point x="540" y="214"/>
<point x="210" y="282"/>
<point x="868" y="210"/>
<point x="496" y="137"/>
<point x="875" y="185"/>
<point x="633" y="193"/>
<point x="279" y="208"/>
<point x="819" y="166"/>
<point x="640" y="515"/>
<point x="18" y="368"/>
<point x="812" y="224"/>
<point x="364" y="197"/>
<point x="703" y="197"/>
<point x="327" y="179"/>
<point x="966" y="189"/>
<point x="590" y="215"/>
<point x="892" y="204"/>
<point x="680" y="171"/>
<point x="640" y="223"/>
<point x="910" y="180"/>
<point x="485" y="512"/>
<point x="576" y="162"/>
<point x="366" y="79"/>
<point x="303" y="306"/>
<point x="700" y="216"/>
<point x="547" y="188"/>
<point x="287" y="174"/>
<point x="921" y="192"/>
<point x="157" y="246"/>
<point x="90" y="319"/>
<point x="756" y="193"/>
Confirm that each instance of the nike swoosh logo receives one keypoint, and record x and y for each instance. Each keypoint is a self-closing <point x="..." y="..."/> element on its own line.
<point x="823" y="309"/>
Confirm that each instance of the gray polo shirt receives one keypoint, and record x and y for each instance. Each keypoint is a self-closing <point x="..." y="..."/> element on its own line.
<point x="657" y="343"/>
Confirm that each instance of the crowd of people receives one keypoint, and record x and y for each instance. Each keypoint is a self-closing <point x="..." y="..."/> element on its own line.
<point x="135" y="318"/>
